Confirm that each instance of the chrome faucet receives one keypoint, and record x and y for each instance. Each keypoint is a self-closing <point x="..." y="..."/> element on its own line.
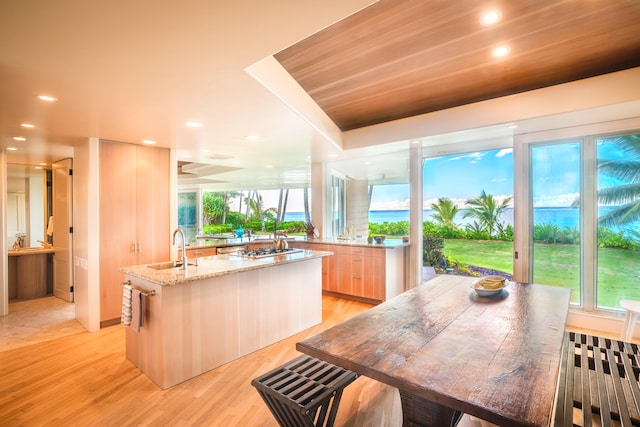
<point x="184" y="246"/>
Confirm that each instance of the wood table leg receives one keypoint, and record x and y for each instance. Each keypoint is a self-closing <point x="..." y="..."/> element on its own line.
<point x="420" y="412"/>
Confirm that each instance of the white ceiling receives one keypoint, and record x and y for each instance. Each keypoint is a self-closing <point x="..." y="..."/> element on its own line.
<point x="128" y="71"/>
<point x="132" y="70"/>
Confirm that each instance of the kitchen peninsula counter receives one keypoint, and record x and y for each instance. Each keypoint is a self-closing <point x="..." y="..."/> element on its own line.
<point x="359" y="242"/>
<point x="369" y="272"/>
<point x="224" y="308"/>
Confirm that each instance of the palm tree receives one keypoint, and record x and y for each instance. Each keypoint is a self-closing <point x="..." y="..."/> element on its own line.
<point x="626" y="196"/>
<point x="446" y="211"/>
<point x="213" y="208"/>
<point x="487" y="210"/>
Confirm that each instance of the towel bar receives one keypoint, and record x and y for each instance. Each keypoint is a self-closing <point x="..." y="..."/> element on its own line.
<point x="145" y="293"/>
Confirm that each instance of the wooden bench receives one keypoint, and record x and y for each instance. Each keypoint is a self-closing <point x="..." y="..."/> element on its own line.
<point x="598" y="383"/>
<point x="304" y="392"/>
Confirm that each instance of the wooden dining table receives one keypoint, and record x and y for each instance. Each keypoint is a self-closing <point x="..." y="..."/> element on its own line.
<point x="449" y="351"/>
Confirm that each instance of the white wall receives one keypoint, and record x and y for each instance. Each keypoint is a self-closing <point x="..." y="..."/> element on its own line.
<point x="86" y="235"/>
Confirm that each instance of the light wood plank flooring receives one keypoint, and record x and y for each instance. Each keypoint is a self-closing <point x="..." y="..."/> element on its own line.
<point x="65" y="377"/>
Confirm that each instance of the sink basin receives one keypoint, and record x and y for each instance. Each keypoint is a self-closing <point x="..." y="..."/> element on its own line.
<point x="165" y="265"/>
<point x="169" y="264"/>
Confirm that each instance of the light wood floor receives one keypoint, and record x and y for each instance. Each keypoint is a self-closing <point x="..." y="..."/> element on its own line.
<point x="65" y="377"/>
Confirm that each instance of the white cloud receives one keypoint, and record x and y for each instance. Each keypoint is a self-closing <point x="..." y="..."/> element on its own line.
<point x="390" y="205"/>
<point x="460" y="203"/>
<point x="504" y="152"/>
<point x="558" y="200"/>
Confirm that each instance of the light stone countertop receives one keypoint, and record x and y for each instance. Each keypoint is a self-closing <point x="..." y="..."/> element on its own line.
<point x="387" y="244"/>
<point x="31" y="251"/>
<point x="214" y="266"/>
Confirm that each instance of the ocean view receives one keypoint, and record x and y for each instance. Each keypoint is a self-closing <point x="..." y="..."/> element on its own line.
<point x="560" y="216"/>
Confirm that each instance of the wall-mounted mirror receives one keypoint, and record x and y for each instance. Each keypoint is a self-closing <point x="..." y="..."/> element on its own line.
<point x="28" y="204"/>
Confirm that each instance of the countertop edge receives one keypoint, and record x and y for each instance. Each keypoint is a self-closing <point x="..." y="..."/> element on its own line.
<point x="215" y="266"/>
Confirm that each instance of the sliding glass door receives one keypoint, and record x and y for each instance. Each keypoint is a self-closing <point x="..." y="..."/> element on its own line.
<point x="585" y="218"/>
<point x="555" y="188"/>
<point x="618" y="267"/>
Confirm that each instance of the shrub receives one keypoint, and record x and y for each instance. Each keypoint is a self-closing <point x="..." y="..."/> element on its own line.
<point x="432" y="255"/>
<point x="398" y="228"/>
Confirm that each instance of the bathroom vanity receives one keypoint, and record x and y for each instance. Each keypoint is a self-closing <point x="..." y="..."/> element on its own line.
<point x="30" y="273"/>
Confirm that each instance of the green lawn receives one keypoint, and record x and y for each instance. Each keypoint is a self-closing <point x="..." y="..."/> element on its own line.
<point x="558" y="265"/>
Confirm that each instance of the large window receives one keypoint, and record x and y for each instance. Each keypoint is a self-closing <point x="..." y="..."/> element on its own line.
<point x="585" y="219"/>
<point x="618" y="195"/>
<point x="467" y="202"/>
<point x="188" y="214"/>
<point x="338" y="205"/>
<point x="555" y="188"/>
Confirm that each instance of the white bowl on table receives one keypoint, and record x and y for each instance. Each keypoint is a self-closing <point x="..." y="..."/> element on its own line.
<point x="489" y="286"/>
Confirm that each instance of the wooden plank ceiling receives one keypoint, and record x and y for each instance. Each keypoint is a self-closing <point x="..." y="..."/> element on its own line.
<point x="400" y="58"/>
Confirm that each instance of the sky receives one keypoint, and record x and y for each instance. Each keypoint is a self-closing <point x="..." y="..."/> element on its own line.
<point x="555" y="178"/>
<point x="458" y="177"/>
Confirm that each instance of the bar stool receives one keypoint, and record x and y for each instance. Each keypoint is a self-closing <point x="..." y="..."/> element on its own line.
<point x="632" y="309"/>
<point x="304" y="392"/>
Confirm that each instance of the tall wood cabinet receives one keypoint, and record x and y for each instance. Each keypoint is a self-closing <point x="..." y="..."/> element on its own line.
<point x="134" y="216"/>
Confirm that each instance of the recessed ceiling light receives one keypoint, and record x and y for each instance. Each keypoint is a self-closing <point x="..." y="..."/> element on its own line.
<point x="47" y="98"/>
<point x="38" y="167"/>
<point x="43" y="164"/>
<point x="491" y="17"/>
<point x="501" y="51"/>
<point x="27" y="125"/>
<point x="12" y="149"/>
<point x="19" y="138"/>
<point x="193" y="124"/>
<point x="269" y="166"/>
<point x="148" y="141"/>
<point x="253" y="137"/>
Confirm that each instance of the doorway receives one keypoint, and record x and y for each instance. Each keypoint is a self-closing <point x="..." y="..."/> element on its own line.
<point x="62" y="229"/>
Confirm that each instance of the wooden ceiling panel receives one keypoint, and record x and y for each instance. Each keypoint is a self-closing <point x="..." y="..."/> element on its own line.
<point x="399" y="58"/>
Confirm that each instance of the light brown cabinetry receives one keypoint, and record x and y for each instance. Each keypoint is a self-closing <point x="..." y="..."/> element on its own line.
<point x="361" y="272"/>
<point x="199" y="252"/>
<point x="134" y="216"/>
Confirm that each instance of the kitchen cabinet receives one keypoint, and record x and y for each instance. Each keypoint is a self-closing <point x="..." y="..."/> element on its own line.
<point x="370" y="273"/>
<point x="199" y="252"/>
<point x="134" y="216"/>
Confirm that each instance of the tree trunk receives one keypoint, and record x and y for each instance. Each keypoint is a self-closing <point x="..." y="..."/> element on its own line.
<point x="246" y="215"/>
<point x="307" y="214"/>
<point x="284" y="205"/>
<point x="225" y="196"/>
<point x="370" y="194"/>
<point x="259" y="207"/>
<point x="279" y="211"/>
<point x="240" y="203"/>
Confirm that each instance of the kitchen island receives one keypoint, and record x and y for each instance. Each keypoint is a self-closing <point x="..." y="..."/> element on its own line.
<point x="227" y="306"/>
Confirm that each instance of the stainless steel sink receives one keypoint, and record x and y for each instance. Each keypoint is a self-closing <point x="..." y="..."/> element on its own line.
<point x="165" y="265"/>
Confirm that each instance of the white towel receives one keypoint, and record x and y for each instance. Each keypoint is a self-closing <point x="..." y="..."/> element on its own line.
<point x="136" y="310"/>
<point x="126" y="305"/>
